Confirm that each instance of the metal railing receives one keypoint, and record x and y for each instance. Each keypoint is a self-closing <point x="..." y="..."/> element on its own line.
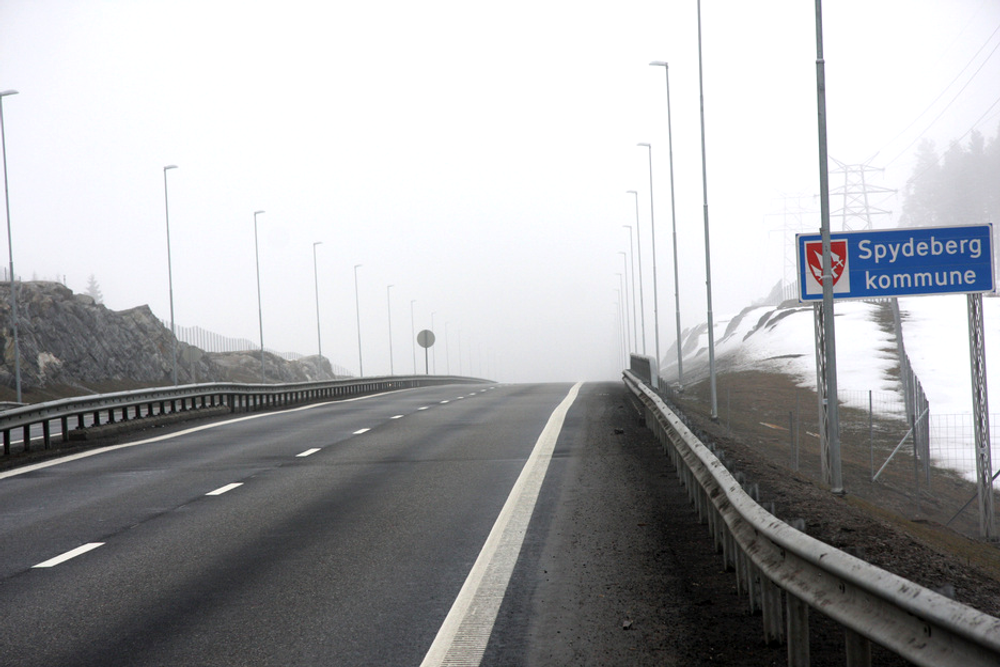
<point x="89" y="411"/>
<point x="772" y="559"/>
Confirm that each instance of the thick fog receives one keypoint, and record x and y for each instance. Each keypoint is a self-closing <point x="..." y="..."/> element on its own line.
<point x="476" y="156"/>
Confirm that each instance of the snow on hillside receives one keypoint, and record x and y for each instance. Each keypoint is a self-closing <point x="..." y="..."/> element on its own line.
<point x="935" y="333"/>
<point x="782" y="340"/>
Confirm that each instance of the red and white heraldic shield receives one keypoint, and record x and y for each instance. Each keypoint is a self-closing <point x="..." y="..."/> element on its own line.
<point x="838" y="263"/>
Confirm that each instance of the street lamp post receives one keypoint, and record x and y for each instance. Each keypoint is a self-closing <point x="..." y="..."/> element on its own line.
<point x="413" y="336"/>
<point x="433" y="349"/>
<point x="357" y="310"/>
<point x="638" y="245"/>
<point x="708" y="253"/>
<point x="170" y="270"/>
<point x="628" y="329"/>
<point x="10" y="252"/>
<point x="673" y="218"/>
<point x="635" y="327"/>
<point x="652" y="231"/>
<point x="260" y="310"/>
<point x="319" y="338"/>
<point x="388" y="306"/>
<point x="447" y="352"/>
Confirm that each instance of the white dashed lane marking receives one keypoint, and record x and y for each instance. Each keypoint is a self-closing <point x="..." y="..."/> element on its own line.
<point x="308" y="452"/>
<point x="224" y="489"/>
<point x="73" y="553"/>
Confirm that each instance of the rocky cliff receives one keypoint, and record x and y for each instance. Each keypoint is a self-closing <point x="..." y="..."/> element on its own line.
<point x="70" y="344"/>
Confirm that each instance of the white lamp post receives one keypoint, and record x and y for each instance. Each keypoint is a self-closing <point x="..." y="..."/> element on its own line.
<point x="10" y="252"/>
<point x="170" y="270"/>
<point x="260" y="310"/>
<point x="388" y="306"/>
<point x="673" y="217"/>
<point x="357" y="310"/>
<point x="652" y="231"/>
<point x="638" y="245"/>
<point x="319" y="338"/>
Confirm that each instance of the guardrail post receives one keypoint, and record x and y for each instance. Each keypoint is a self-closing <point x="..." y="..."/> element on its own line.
<point x="797" y="614"/>
<point x="859" y="649"/>
<point x="46" y="434"/>
<point x="6" y="442"/>
<point x="26" y="438"/>
<point x="64" y="423"/>
<point x="774" y="631"/>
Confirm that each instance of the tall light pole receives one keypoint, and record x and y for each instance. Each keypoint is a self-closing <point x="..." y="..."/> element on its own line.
<point x="628" y="328"/>
<point x="10" y="252"/>
<point x="447" y="352"/>
<point x="631" y="251"/>
<point x="413" y="336"/>
<point x="638" y="245"/>
<point x="260" y="310"/>
<point x="357" y="310"/>
<point x="319" y="338"/>
<point x="708" y="253"/>
<point x="623" y="313"/>
<point x="434" y="360"/>
<point x="652" y="231"/>
<point x="673" y="218"/>
<point x="170" y="270"/>
<point x="388" y="307"/>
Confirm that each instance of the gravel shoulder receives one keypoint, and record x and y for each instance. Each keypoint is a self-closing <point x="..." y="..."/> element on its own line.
<point x="616" y="568"/>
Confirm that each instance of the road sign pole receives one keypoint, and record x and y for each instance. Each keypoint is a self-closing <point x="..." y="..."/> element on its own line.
<point x="829" y="404"/>
<point x="980" y="409"/>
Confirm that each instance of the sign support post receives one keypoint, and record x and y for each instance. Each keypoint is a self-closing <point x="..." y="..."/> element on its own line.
<point x="981" y="415"/>
<point x="826" y="345"/>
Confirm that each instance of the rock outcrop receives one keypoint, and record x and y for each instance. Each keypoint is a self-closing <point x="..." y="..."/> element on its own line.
<point x="68" y="340"/>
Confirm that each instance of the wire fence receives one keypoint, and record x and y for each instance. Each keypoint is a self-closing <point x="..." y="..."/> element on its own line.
<point x="952" y="437"/>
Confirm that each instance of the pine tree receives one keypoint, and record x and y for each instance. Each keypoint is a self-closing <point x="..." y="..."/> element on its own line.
<point x="94" y="290"/>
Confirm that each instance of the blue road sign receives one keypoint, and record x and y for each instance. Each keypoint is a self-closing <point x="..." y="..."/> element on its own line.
<point x="908" y="261"/>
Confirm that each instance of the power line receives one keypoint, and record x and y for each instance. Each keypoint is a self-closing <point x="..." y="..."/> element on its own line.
<point x="953" y="99"/>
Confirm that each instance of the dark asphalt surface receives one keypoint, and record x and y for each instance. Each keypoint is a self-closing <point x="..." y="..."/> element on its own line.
<point x="353" y="554"/>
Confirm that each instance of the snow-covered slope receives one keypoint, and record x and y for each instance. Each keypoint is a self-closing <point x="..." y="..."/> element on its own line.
<point x="935" y="333"/>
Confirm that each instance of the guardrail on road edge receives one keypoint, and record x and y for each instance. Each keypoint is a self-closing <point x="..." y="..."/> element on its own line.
<point x="128" y="405"/>
<point x="770" y="557"/>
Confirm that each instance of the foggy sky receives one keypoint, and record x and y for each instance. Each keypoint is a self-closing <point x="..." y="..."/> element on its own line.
<point x="475" y="156"/>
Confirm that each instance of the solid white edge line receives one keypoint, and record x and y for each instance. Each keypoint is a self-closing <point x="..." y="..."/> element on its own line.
<point x="73" y="553"/>
<point x="308" y="452"/>
<point x="463" y="636"/>
<point x="224" y="489"/>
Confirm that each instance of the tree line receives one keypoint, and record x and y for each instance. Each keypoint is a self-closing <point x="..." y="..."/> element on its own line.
<point x="959" y="187"/>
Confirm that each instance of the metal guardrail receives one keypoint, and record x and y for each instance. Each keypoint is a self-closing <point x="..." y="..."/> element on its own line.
<point x="772" y="558"/>
<point x="124" y="406"/>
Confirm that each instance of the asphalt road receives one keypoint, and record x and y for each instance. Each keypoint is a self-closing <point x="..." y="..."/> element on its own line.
<point x="346" y="533"/>
<point x="337" y="534"/>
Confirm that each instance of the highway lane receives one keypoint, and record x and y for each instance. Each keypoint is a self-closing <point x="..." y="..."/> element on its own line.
<point x="340" y="534"/>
